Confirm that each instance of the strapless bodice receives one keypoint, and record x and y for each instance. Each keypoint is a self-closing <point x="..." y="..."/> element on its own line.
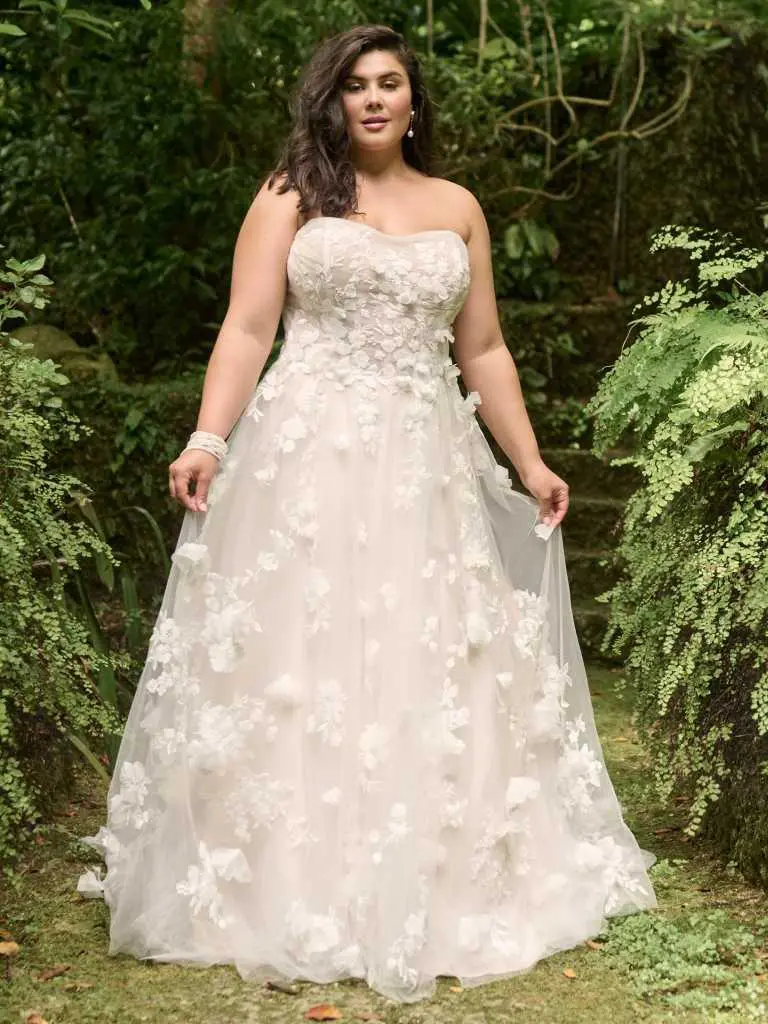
<point x="361" y="302"/>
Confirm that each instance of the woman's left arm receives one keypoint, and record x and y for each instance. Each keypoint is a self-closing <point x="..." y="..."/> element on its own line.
<point x="488" y="368"/>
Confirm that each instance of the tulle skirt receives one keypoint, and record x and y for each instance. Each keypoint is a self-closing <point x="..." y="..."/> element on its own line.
<point x="363" y="744"/>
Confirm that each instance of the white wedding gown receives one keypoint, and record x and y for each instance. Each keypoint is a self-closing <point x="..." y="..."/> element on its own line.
<point x="363" y="743"/>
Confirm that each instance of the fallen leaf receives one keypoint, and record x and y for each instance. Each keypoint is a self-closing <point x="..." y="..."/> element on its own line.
<point x="39" y="841"/>
<point x="594" y="945"/>
<point x="621" y="739"/>
<point x="323" y="1011"/>
<point x="666" y="829"/>
<point x="9" y="948"/>
<point x="77" y="986"/>
<point x="761" y="977"/>
<point x="5" y="936"/>
<point x="456" y="988"/>
<point x="34" y="1018"/>
<point x="282" y="986"/>
<point x="569" y="972"/>
<point x="54" y="972"/>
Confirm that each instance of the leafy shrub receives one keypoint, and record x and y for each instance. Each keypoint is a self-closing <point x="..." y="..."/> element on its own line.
<point x="691" y="609"/>
<point x="49" y="669"/>
<point x="702" y="961"/>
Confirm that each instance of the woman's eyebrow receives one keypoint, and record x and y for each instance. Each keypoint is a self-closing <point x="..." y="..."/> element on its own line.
<point x="384" y="74"/>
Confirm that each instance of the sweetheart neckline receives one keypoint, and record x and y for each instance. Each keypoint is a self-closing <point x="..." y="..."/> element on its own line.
<point x="387" y="234"/>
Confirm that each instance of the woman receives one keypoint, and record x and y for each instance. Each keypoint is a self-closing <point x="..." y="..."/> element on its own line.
<point x="362" y="744"/>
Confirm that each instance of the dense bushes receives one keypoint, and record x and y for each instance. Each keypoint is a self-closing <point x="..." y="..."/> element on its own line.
<point x="135" y="180"/>
<point x="691" y="610"/>
<point x="50" y="671"/>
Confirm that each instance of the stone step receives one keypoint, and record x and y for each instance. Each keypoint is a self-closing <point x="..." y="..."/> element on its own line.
<point x="592" y="523"/>
<point x="590" y="572"/>
<point x="591" y="620"/>
<point x="590" y="476"/>
<point x="596" y="332"/>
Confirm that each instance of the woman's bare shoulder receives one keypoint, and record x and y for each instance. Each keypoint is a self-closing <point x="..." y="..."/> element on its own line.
<point x="270" y="202"/>
<point x="463" y="203"/>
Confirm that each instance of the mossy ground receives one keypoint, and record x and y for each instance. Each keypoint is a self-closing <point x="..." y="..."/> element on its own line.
<point x="53" y="925"/>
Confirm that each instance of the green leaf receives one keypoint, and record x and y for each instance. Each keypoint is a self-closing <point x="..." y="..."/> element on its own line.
<point x="82" y="747"/>
<point x="36" y="263"/>
<point x="7" y="28"/>
<point x="134" y="417"/>
<point x="156" y="531"/>
<point x="104" y="566"/>
<point x="514" y="242"/>
<point x="494" y="49"/>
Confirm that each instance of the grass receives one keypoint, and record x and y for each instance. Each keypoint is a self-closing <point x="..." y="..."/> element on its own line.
<point x="702" y="957"/>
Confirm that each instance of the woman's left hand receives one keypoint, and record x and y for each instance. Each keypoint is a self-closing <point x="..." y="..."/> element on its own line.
<point x="550" y="491"/>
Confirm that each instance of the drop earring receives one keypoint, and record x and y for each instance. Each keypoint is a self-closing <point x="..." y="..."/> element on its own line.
<point x="409" y="133"/>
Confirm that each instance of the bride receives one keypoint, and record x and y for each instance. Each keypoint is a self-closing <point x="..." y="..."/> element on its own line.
<point x="362" y="745"/>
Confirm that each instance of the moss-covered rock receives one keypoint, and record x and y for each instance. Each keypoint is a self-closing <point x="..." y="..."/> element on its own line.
<point x="78" y="363"/>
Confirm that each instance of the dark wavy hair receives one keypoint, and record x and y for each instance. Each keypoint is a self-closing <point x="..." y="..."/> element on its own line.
<point x="315" y="159"/>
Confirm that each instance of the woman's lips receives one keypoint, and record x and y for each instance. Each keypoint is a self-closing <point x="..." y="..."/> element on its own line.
<point x="374" y="126"/>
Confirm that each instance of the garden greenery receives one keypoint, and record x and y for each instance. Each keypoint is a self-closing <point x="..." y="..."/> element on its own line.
<point x="50" y="671"/>
<point x="690" y="611"/>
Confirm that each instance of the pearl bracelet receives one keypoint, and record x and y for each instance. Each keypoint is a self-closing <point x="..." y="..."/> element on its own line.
<point x="204" y="441"/>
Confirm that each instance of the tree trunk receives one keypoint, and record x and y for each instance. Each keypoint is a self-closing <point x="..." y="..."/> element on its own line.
<point x="199" y="37"/>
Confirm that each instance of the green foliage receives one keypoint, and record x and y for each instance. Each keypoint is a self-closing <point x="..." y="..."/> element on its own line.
<point x="691" y="610"/>
<point x="704" y="960"/>
<point x="52" y="677"/>
<point x="138" y="429"/>
<point x="135" y="179"/>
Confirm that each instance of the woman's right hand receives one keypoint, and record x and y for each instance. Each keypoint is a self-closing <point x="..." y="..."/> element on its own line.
<point x="192" y="471"/>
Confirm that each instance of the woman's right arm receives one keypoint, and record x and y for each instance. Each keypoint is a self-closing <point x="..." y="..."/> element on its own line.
<point x="246" y="336"/>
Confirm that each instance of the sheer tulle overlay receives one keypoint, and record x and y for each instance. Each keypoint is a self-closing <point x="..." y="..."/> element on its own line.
<point x="363" y="744"/>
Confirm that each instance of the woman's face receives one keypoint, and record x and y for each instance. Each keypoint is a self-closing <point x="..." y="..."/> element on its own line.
<point x="377" y="87"/>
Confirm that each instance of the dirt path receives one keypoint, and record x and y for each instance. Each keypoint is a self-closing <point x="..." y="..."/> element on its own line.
<point x="702" y="957"/>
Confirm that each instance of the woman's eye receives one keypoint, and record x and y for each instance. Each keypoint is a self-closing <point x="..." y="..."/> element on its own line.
<point x="355" y="86"/>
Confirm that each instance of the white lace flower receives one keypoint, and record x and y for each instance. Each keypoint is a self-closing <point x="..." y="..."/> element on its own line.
<point x="127" y="805"/>
<point x="285" y="691"/>
<point x="521" y="788"/>
<point x="267" y="561"/>
<point x="429" y="632"/>
<point x="257" y="801"/>
<point x="372" y="648"/>
<point x="166" y="643"/>
<point x="267" y="473"/>
<point x="223" y="633"/>
<point x="438" y="733"/>
<point x="327" y="720"/>
<point x="201" y="885"/>
<point x="312" y="933"/>
<point x="501" y="476"/>
<point x="316" y="593"/>
<point x="291" y="430"/>
<point x="398" y="827"/>
<point x="579" y="772"/>
<point x="471" y="402"/>
<point x="220" y="733"/>
<point x="191" y="558"/>
<point x="530" y="623"/>
<point x="389" y="595"/>
<point x="478" y="629"/>
<point x="373" y="745"/>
